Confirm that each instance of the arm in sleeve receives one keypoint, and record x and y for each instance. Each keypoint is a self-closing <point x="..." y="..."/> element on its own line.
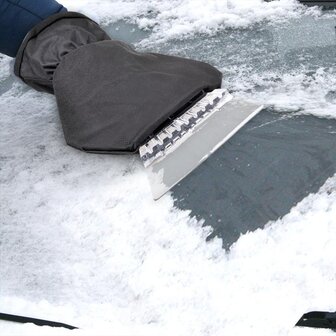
<point x="18" y="17"/>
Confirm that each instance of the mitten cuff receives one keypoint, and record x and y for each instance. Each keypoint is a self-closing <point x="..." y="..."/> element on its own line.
<point x="48" y="42"/>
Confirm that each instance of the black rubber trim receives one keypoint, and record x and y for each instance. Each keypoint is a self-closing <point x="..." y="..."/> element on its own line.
<point x="318" y="319"/>
<point x="39" y="322"/>
<point x="326" y="4"/>
<point x="37" y="29"/>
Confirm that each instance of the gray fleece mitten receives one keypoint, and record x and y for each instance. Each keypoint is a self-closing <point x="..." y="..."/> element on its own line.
<point x="111" y="98"/>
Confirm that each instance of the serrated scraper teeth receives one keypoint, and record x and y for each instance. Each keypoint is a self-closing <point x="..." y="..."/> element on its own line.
<point x="180" y="126"/>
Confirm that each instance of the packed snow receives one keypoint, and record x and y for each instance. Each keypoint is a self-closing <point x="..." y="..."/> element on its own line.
<point x="178" y="18"/>
<point x="83" y="242"/>
<point x="297" y="91"/>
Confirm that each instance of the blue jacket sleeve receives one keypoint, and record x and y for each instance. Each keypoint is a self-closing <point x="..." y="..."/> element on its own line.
<point x="17" y="17"/>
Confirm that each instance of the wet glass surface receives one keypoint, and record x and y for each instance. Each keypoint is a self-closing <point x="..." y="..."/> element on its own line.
<point x="261" y="173"/>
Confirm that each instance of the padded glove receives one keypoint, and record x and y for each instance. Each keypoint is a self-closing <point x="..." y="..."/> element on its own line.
<point x="111" y="98"/>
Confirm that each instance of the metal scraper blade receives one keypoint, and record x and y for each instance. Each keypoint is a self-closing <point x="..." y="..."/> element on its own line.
<point x="176" y="157"/>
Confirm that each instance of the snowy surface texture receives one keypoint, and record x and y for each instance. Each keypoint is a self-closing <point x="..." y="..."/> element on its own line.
<point x="83" y="242"/>
<point x="176" y="18"/>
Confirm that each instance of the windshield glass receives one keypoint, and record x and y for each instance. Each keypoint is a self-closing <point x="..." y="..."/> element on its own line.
<point x="287" y="151"/>
<point x="244" y="245"/>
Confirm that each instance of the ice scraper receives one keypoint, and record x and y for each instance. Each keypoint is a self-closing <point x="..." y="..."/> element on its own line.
<point x="191" y="138"/>
<point x="113" y="99"/>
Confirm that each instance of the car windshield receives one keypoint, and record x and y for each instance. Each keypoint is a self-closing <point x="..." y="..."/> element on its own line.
<point x="262" y="172"/>
<point x="81" y="236"/>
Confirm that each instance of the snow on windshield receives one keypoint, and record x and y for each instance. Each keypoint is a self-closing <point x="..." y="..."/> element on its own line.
<point x="177" y="18"/>
<point x="83" y="242"/>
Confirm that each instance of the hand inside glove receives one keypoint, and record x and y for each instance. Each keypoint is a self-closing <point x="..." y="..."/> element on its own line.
<point x="110" y="97"/>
